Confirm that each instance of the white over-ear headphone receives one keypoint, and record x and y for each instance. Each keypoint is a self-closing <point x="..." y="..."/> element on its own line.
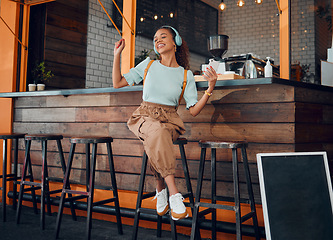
<point x="178" y="39"/>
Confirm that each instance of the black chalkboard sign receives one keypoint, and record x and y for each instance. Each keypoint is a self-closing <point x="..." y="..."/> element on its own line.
<point x="296" y="192"/>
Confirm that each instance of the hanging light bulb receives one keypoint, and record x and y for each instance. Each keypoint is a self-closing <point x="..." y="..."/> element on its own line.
<point x="240" y="3"/>
<point x="258" y="2"/>
<point x="222" y="6"/>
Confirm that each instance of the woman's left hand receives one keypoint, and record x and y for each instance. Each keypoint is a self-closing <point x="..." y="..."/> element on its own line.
<point x="211" y="76"/>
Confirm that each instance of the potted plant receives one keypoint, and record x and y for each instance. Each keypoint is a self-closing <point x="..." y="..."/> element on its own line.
<point x="40" y="76"/>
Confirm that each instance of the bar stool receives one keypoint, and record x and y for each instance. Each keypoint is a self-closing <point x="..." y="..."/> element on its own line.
<point x="90" y="182"/>
<point x="9" y="176"/>
<point x="44" y="184"/>
<point x="213" y="206"/>
<point x="141" y="196"/>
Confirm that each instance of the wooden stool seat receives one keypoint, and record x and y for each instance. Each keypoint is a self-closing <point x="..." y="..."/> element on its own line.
<point x="74" y="195"/>
<point x="222" y="144"/>
<point x="43" y="137"/>
<point x="9" y="176"/>
<point x="44" y="184"/>
<point x="91" y="139"/>
<point x="141" y="196"/>
<point x="212" y="206"/>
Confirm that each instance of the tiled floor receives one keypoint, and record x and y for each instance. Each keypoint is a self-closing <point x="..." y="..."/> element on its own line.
<point x="29" y="228"/>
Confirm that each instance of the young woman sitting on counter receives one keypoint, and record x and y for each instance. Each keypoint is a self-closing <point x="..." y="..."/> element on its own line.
<point x="156" y="122"/>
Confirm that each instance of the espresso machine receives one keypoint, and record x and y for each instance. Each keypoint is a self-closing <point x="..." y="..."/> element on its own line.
<point x="217" y="46"/>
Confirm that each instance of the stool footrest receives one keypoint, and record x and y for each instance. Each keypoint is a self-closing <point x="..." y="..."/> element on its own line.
<point x="12" y="179"/>
<point x="8" y="176"/>
<point x="55" y="179"/>
<point x="55" y="191"/>
<point x="32" y="188"/>
<point x="247" y="216"/>
<point x="205" y="212"/>
<point x="148" y="195"/>
<point x="103" y="187"/>
<point x="69" y="191"/>
<point x="31" y="183"/>
<point x="71" y="199"/>
<point x="231" y="199"/>
<point x="218" y="206"/>
<point x="146" y="210"/>
<point x="104" y="201"/>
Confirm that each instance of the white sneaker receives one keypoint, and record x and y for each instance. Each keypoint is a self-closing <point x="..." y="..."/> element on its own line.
<point x="162" y="205"/>
<point x="178" y="209"/>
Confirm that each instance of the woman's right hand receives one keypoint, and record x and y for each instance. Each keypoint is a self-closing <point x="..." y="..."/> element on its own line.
<point x="119" y="47"/>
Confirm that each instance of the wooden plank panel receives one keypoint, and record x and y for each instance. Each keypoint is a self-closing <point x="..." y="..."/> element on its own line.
<point x="67" y="10"/>
<point x="62" y="70"/>
<point x="71" y="129"/>
<point x="30" y="102"/>
<point x="314" y="113"/>
<point x="46" y="115"/>
<point x="251" y="132"/>
<point x="65" y="58"/>
<point x="313" y="96"/>
<point x="252" y="94"/>
<point x="75" y="4"/>
<point x="65" y="83"/>
<point x="314" y="133"/>
<point x="236" y="113"/>
<point x="104" y="114"/>
<point x="67" y="35"/>
<point x="78" y="100"/>
<point x="65" y="46"/>
<point x="69" y="22"/>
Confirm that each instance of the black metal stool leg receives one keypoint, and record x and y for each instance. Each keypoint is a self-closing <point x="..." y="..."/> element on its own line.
<point x="91" y="190"/>
<point x="44" y="189"/>
<point x="213" y="183"/>
<point x="236" y="194"/>
<point x="250" y="193"/>
<point x="31" y="178"/>
<point x="195" y="228"/>
<point x="23" y="177"/>
<point x="87" y="146"/>
<point x="115" y="188"/>
<point x="63" y="166"/>
<point x="15" y="173"/>
<point x="65" y="186"/>
<point x="140" y="193"/>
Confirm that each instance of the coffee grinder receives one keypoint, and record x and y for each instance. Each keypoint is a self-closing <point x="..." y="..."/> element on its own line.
<point x="217" y="46"/>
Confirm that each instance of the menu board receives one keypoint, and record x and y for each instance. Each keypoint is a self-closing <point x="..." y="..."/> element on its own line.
<point x="296" y="194"/>
<point x="194" y="20"/>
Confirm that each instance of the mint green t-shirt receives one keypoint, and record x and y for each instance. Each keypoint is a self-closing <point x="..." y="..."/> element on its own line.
<point x="163" y="85"/>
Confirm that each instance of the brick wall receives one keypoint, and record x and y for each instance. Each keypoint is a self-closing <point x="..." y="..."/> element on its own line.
<point x="252" y="29"/>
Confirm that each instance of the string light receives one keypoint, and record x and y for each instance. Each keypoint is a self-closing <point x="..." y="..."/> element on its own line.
<point x="240" y="3"/>
<point x="171" y="15"/>
<point x="222" y="6"/>
<point x="258" y="2"/>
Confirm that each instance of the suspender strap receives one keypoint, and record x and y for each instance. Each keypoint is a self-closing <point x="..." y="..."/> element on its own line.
<point x="184" y="86"/>
<point x="184" y="82"/>
<point x="146" y="71"/>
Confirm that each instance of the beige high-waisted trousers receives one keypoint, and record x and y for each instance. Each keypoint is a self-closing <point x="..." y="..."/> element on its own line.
<point x="157" y="126"/>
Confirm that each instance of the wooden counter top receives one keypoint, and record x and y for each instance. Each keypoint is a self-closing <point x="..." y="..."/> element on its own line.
<point x="201" y="84"/>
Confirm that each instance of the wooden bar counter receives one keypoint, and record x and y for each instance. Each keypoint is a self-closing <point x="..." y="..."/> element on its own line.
<point x="273" y="115"/>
